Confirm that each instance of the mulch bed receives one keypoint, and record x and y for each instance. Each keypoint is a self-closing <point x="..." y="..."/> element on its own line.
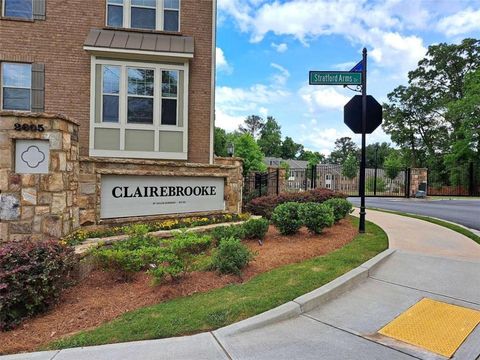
<point x="101" y="297"/>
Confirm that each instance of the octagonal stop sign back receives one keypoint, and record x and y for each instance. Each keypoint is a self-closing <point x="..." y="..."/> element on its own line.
<point x="352" y="114"/>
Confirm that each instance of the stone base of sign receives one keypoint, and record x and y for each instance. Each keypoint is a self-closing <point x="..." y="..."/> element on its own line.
<point x="38" y="206"/>
<point x="92" y="169"/>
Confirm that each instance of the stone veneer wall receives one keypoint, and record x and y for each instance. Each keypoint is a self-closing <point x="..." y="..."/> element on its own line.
<point x="92" y="169"/>
<point x="38" y="206"/>
<point x="417" y="176"/>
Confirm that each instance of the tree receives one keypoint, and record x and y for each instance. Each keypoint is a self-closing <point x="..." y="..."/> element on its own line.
<point x="313" y="158"/>
<point x="350" y="167"/>
<point x="253" y="124"/>
<point x="220" y="142"/>
<point x="343" y="147"/>
<point x="376" y="154"/>
<point x="247" y="148"/>
<point x="270" y="140"/>
<point x="290" y="148"/>
<point x="393" y="165"/>
<point x="419" y="117"/>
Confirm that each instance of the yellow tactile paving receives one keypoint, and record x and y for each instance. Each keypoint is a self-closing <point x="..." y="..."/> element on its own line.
<point x="435" y="326"/>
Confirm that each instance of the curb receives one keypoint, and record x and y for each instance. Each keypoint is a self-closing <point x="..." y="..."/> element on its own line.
<point x="309" y="301"/>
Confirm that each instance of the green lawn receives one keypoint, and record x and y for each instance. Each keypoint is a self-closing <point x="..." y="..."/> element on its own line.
<point x="454" y="227"/>
<point x="217" y="308"/>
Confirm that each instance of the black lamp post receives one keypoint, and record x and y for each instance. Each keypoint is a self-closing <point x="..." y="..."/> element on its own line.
<point x="230" y="149"/>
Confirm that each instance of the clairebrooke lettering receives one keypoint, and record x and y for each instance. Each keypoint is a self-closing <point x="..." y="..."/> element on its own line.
<point x="162" y="191"/>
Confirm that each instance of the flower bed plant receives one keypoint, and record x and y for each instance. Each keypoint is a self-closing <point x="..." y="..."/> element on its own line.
<point x="171" y="259"/>
<point x="265" y="205"/>
<point x="81" y="235"/>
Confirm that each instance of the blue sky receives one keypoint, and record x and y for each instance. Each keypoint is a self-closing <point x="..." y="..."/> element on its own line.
<point x="265" y="49"/>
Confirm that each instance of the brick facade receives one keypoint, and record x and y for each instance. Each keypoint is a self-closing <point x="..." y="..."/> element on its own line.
<point x="58" y="42"/>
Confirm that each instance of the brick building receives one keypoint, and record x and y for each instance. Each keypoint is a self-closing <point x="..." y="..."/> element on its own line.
<point x="101" y="94"/>
<point x="137" y="75"/>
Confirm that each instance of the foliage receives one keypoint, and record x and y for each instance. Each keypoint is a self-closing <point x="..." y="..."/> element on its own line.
<point x="341" y="208"/>
<point x="194" y="313"/>
<point x="251" y="229"/>
<point x="316" y="216"/>
<point x="220" y="142"/>
<point x="256" y="228"/>
<point x="231" y="256"/>
<point x="393" y="165"/>
<point x="343" y="148"/>
<point x="222" y="232"/>
<point x="249" y="151"/>
<point x="173" y="257"/>
<point x="265" y="205"/>
<point x="350" y="167"/>
<point x="313" y="158"/>
<point x="284" y="165"/>
<point x="422" y="117"/>
<point x="81" y="235"/>
<point x="376" y="154"/>
<point x="286" y="218"/>
<point x="253" y="125"/>
<point x="270" y="140"/>
<point x="290" y="148"/>
<point x="370" y="184"/>
<point x="32" y="276"/>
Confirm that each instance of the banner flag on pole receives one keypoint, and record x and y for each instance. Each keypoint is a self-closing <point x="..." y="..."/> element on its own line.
<point x="358" y="67"/>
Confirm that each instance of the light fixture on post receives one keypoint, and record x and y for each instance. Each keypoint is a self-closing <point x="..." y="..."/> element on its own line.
<point x="230" y="149"/>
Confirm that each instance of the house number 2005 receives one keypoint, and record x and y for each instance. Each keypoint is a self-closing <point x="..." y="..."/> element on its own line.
<point x="29" y="127"/>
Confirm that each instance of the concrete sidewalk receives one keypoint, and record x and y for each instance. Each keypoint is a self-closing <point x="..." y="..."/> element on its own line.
<point x="428" y="261"/>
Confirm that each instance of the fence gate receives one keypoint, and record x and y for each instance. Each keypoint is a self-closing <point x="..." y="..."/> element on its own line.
<point x="378" y="181"/>
<point x="261" y="184"/>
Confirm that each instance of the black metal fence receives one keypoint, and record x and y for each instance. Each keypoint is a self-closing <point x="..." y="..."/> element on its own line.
<point x="379" y="182"/>
<point x="464" y="180"/>
<point x="261" y="184"/>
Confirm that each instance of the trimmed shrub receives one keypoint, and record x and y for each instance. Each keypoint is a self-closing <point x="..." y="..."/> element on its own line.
<point x="341" y="208"/>
<point x="223" y="232"/>
<point x="231" y="256"/>
<point x="265" y="205"/>
<point x="286" y="218"/>
<point x="32" y="276"/>
<point x="316" y="217"/>
<point x="256" y="228"/>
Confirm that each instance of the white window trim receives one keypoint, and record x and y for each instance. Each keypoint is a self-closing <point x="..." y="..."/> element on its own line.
<point x="123" y="125"/>
<point x="3" y="3"/>
<point x="13" y="87"/>
<point x="159" y="18"/>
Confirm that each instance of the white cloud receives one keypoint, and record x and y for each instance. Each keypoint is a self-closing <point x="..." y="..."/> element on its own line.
<point x="344" y="66"/>
<point x="460" y="23"/>
<point x="322" y="98"/>
<point x="281" y="48"/>
<point x="233" y="105"/>
<point x="375" y="25"/>
<point x="221" y="61"/>
<point x="322" y="138"/>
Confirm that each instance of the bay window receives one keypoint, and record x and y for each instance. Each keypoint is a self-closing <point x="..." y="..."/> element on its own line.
<point x="144" y="14"/>
<point x="139" y="110"/>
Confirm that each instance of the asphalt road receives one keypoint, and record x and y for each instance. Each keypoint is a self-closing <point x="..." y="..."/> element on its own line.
<point x="464" y="212"/>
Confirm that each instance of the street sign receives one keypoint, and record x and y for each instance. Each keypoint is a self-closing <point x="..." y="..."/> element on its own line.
<point x="352" y="114"/>
<point x="335" y="78"/>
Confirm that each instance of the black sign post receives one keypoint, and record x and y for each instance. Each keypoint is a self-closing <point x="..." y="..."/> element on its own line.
<point x="361" y="227"/>
<point x="355" y="112"/>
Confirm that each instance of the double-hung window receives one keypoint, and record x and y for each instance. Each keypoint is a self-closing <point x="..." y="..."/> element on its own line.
<point x="144" y="14"/>
<point x="139" y="110"/>
<point x="16" y="88"/>
<point x="18" y="8"/>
